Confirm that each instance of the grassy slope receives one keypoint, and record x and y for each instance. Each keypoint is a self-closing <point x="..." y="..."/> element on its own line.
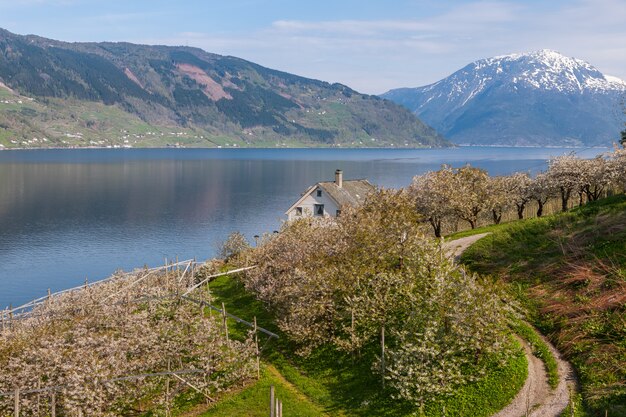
<point x="333" y="382"/>
<point x="570" y="271"/>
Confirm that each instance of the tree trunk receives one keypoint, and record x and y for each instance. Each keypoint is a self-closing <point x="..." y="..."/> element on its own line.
<point x="497" y="217"/>
<point x="580" y="198"/>
<point x="520" y="211"/>
<point x="436" y="224"/>
<point x="564" y="198"/>
<point x="539" y="208"/>
<point x="472" y="224"/>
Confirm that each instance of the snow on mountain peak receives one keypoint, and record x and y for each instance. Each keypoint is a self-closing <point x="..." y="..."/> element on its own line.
<point x="544" y="69"/>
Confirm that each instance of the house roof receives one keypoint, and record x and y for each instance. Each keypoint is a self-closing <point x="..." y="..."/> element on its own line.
<point x="352" y="192"/>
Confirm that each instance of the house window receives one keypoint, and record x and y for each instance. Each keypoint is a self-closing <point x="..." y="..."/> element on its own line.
<point x="298" y="211"/>
<point x="319" y="209"/>
<point x="338" y="213"/>
<point x="319" y="193"/>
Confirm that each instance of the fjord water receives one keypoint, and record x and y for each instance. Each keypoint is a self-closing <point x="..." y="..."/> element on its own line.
<point x="70" y="214"/>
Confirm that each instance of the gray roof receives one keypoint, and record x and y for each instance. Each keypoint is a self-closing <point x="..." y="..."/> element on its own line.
<point x="352" y="192"/>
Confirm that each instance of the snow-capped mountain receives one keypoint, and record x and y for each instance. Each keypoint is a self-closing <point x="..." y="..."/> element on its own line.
<point x="538" y="98"/>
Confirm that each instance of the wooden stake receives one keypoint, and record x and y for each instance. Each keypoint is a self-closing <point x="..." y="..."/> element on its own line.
<point x="256" y="347"/>
<point x="38" y="397"/>
<point x="352" y="338"/>
<point x="272" y="402"/>
<point x="17" y="402"/>
<point x="53" y="405"/>
<point x="167" y="390"/>
<point x="382" y="354"/>
<point x="225" y="323"/>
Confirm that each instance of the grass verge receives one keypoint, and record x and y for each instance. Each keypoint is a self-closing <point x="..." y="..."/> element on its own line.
<point x="569" y="271"/>
<point x="540" y="349"/>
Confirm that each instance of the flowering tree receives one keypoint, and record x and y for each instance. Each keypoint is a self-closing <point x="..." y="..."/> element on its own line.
<point x="541" y="190"/>
<point x="367" y="279"/>
<point x="92" y="345"/>
<point x="564" y="173"/>
<point x="469" y="193"/>
<point x="431" y="193"/>
<point x="501" y="196"/>
<point x="595" y="177"/>
<point x="520" y="191"/>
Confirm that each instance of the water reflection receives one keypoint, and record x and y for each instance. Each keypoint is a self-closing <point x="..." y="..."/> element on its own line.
<point x="69" y="214"/>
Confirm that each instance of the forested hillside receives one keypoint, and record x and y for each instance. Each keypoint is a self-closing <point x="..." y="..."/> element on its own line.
<point x="152" y="95"/>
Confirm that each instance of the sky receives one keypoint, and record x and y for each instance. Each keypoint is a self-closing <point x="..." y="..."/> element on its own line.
<point x="369" y="45"/>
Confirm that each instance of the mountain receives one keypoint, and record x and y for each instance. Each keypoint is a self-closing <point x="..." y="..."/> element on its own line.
<point x="538" y="98"/>
<point x="56" y="93"/>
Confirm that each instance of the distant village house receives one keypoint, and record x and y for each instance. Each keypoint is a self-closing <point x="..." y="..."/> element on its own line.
<point x="327" y="199"/>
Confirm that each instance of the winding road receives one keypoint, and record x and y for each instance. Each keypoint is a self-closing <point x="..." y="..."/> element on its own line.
<point x="536" y="398"/>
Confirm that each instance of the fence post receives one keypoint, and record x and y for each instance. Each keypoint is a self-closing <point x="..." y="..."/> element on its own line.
<point x="256" y="347"/>
<point x="17" y="402"/>
<point x="225" y="323"/>
<point x="167" y="389"/>
<point x="272" y="402"/>
<point x="53" y="405"/>
<point x="382" y="355"/>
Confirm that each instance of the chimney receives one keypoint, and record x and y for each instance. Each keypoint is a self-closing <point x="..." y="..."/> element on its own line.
<point x="339" y="178"/>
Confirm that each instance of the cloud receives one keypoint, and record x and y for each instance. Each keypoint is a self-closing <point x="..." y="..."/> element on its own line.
<point x="376" y="55"/>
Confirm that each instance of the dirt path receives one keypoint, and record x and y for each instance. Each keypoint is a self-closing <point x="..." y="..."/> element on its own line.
<point x="536" y="398"/>
<point x="454" y="248"/>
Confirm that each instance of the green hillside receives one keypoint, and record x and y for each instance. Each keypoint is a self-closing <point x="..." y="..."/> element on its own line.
<point x="138" y="95"/>
<point x="569" y="269"/>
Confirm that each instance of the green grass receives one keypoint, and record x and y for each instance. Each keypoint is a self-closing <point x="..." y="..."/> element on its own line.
<point x="254" y="400"/>
<point x="541" y="350"/>
<point x="342" y="386"/>
<point x="569" y="271"/>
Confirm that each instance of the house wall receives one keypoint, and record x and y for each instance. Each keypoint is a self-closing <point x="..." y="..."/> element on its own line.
<point x="330" y="208"/>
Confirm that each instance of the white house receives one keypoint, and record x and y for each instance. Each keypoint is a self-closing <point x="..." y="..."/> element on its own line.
<point x="326" y="199"/>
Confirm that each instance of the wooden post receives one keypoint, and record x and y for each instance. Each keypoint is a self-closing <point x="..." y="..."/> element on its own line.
<point x="256" y="347"/>
<point x="49" y="295"/>
<point x="352" y="338"/>
<point x="86" y="283"/>
<point x="38" y="397"/>
<point x="17" y="402"/>
<point x="167" y="390"/>
<point x="280" y="408"/>
<point x="382" y="354"/>
<point x="53" y="405"/>
<point x="272" y="402"/>
<point x="277" y="407"/>
<point x="225" y="323"/>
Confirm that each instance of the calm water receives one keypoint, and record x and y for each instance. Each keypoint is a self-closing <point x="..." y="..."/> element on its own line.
<point x="70" y="214"/>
